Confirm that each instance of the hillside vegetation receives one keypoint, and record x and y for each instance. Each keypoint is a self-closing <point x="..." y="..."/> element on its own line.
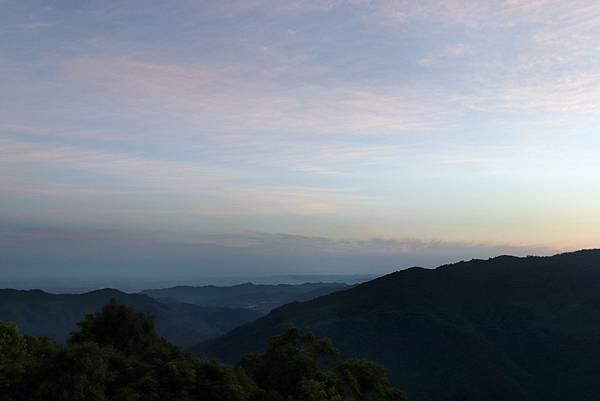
<point x="507" y="328"/>
<point x="116" y="355"/>
<point x="55" y="315"/>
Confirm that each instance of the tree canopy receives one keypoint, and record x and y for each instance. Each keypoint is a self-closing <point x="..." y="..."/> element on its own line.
<point x="116" y="355"/>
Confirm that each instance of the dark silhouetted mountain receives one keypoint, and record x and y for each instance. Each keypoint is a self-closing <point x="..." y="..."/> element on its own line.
<point x="507" y="328"/>
<point x="261" y="298"/>
<point x="55" y="315"/>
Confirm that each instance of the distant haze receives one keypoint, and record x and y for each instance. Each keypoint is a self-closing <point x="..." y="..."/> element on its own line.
<point x="75" y="284"/>
<point x="234" y="138"/>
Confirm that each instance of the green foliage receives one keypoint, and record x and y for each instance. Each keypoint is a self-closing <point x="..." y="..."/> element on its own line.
<point x="76" y="373"/>
<point x="13" y="357"/>
<point x="21" y="358"/>
<point x="290" y="359"/>
<point x="12" y="346"/>
<point x="117" y="356"/>
<point x="290" y="369"/>
<point x="117" y="325"/>
<point x="359" y="379"/>
<point x="507" y="328"/>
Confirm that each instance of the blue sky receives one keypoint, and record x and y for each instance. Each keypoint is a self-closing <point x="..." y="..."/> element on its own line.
<point x="271" y="136"/>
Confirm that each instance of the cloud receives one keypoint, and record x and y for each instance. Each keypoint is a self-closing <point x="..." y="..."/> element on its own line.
<point x="246" y="98"/>
<point x="576" y="94"/>
<point x="287" y="91"/>
<point x="484" y="15"/>
<point x="236" y="7"/>
<point x="409" y="246"/>
<point x="453" y="51"/>
<point x="325" y="117"/>
<point x="524" y="56"/>
<point x="19" y="128"/>
<point x="190" y="187"/>
<point x="163" y="173"/>
<point x="79" y="252"/>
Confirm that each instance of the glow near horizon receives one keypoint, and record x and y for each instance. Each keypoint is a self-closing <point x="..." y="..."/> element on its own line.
<point x="469" y="123"/>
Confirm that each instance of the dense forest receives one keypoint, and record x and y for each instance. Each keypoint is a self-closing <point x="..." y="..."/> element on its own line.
<point x="507" y="328"/>
<point x="184" y="315"/>
<point x="116" y="355"/>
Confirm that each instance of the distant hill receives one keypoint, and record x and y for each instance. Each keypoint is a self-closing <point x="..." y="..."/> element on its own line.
<point x="55" y="315"/>
<point x="262" y="298"/>
<point x="507" y="328"/>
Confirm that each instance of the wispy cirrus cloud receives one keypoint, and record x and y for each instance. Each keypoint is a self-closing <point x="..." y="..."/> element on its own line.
<point x="331" y="119"/>
<point x="524" y="56"/>
<point x="575" y="94"/>
<point x="244" y="97"/>
<point x="190" y="187"/>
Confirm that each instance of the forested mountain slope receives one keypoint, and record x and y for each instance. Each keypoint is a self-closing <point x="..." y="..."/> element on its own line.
<point x="507" y="328"/>
<point x="55" y="315"/>
<point x="258" y="297"/>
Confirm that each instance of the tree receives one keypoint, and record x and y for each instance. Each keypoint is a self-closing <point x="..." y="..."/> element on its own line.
<point x="77" y="373"/>
<point x="359" y="379"/>
<point x="290" y="360"/>
<point x="290" y="369"/>
<point x="13" y="358"/>
<point x="117" y="355"/>
<point x="124" y="328"/>
<point x="146" y="367"/>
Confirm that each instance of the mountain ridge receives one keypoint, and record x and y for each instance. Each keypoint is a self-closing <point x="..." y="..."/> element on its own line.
<point x="257" y="297"/>
<point x="503" y="328"/>
<point x="40" y="313"/>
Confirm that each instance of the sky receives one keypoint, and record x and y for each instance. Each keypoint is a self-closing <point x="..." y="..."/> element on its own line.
<point x="265" y="137"/>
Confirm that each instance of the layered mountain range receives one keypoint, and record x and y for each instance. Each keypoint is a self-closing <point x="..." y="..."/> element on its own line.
<point x="506" y="328"/>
